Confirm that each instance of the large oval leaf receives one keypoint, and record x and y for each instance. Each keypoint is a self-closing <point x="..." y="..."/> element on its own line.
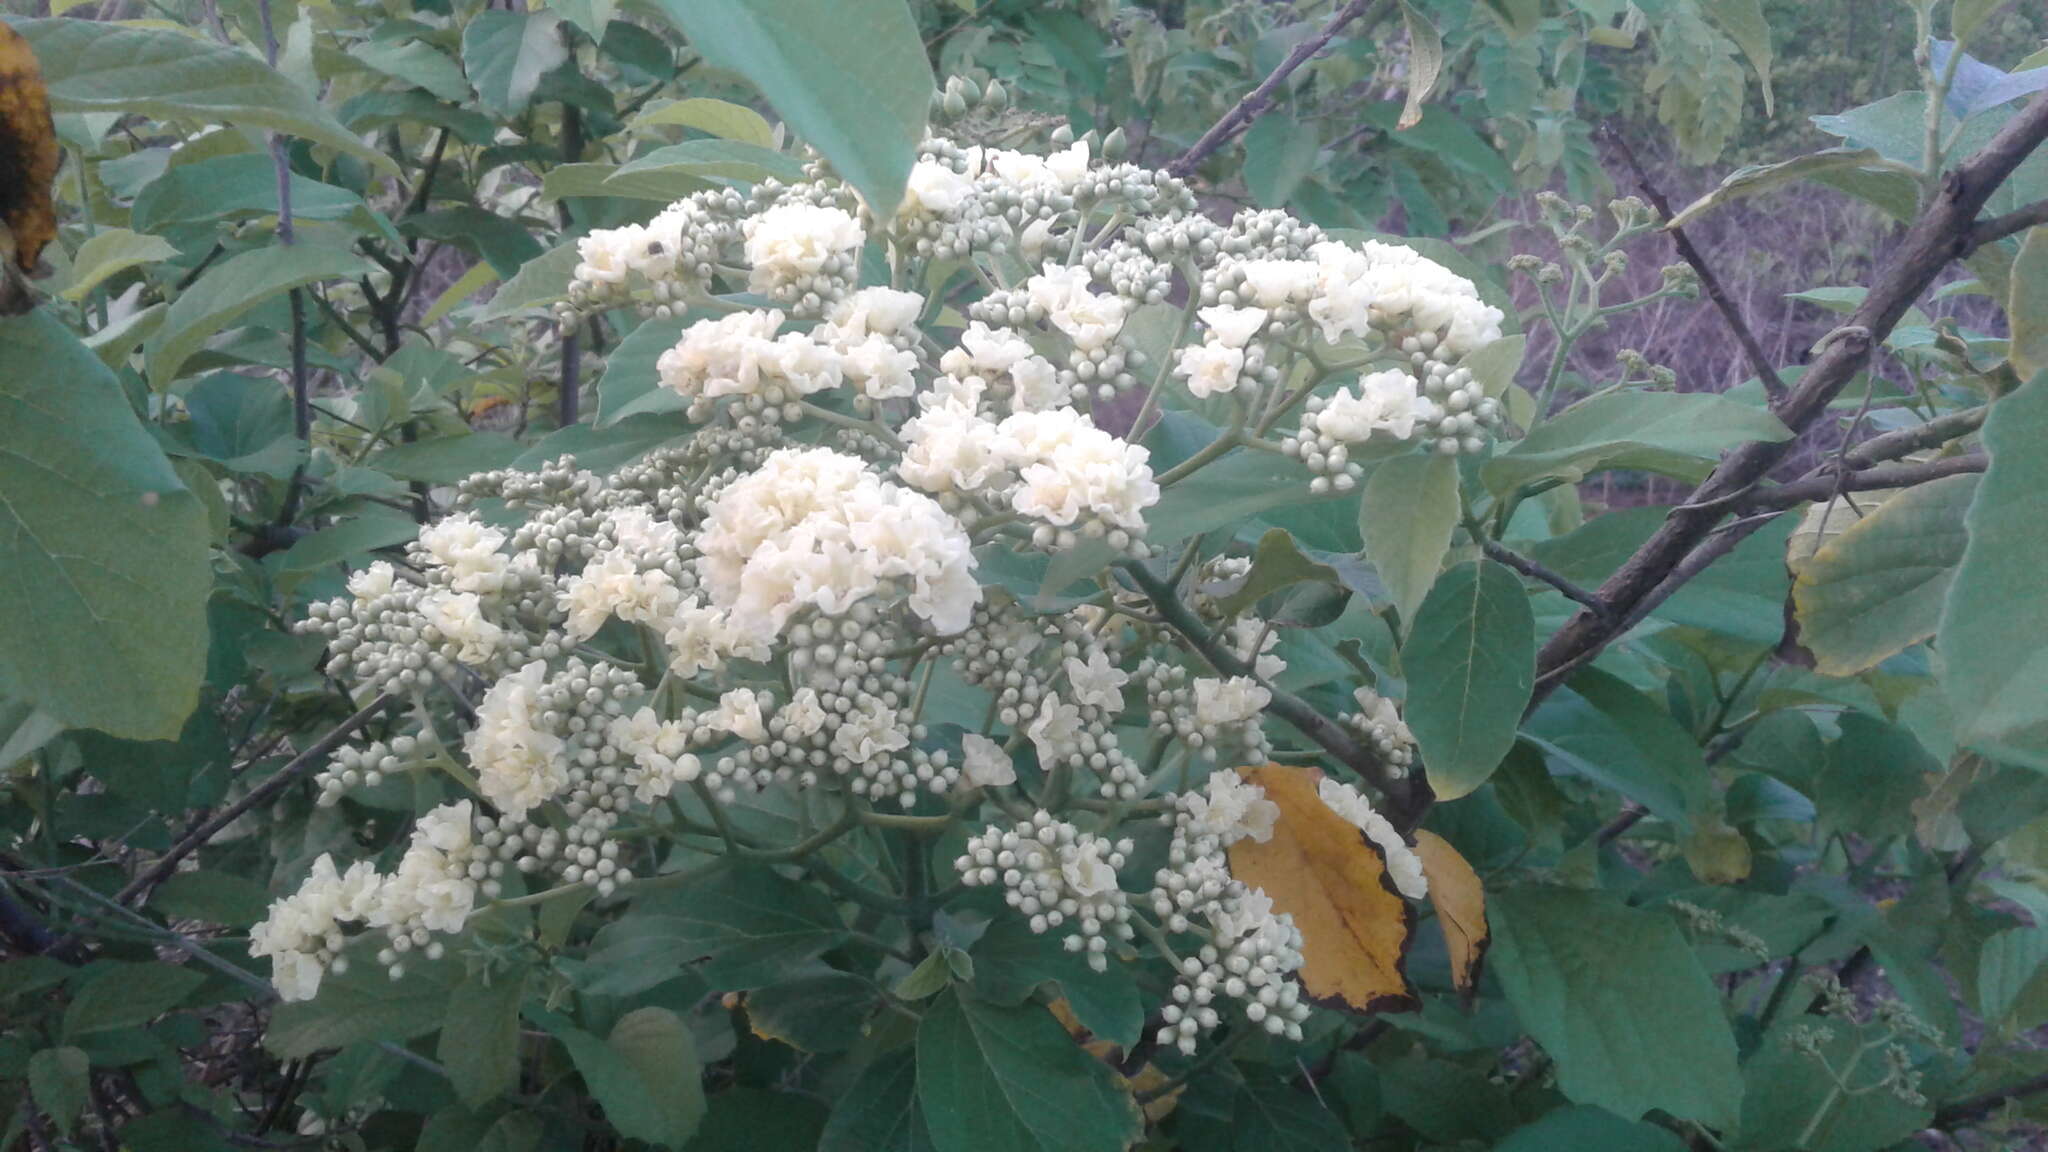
<point x="1876" y="589"/>
<point x="1407" y="517"/>
<point x="851" y="76"/>
<point x="231" y="289"/>
<point x="104" y="551"/>
<point x="1994" y="626"/>
<point x="1615" y="995"/>
<point x="1471" y="663"/>
<point x="99" y="67"/>
<point x="993" y="1079"/>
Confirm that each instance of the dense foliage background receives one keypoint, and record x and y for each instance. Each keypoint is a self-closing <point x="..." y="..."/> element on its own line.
<point x="1725" y="663"/>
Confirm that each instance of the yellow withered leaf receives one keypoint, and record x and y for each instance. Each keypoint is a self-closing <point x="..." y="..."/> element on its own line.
<point x="1321" y="869"/>
<point x="1460" y="902"/>
<point x="29" y="157"/>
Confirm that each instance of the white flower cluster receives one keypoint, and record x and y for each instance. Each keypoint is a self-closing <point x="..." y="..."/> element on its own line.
<point x="776" y="598"/>
<point x="1052" y="467"/>
<point x="1209" y="714"/>
<point x="433" y="890"/>
<point x="1059" y="877"/>
<point x="1248" y="951"/>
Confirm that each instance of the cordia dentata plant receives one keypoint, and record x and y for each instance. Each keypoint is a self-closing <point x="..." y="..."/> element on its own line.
<point x="1029" y="624"/>
<point x="793" y="608"/>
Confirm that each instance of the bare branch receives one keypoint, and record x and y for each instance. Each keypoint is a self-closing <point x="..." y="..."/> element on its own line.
<point x="1937" y="237"/>
<point x="1999" y="227"/>
<point x="1759" y="362"/>
<point x="1494" y="549"/>
<point x="1918" y="438"/>
<point x="1259" y="99"/>
<point x="261" y="794"/>
<point x="1821" y="487"/>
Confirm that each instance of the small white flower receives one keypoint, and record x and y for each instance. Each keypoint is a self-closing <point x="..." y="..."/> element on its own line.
<point x="1231" y="701"/>
<point x="1210" y="368"/>
<point x="1233" y="327"/>
<point x="984" y="762"/>
<point x="1274" y="283"/>
<point x="376" y="580"/>
<point x="791" y="240"/>
<point x="739" y="712"/>
<point x="1096" y="682"/>
<point x="1404" y="867"/>
<point x="935" y="189"/>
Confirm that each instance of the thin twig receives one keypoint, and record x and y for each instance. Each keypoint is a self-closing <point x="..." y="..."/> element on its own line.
<point x="1759" y="362"/>
<point x="1495" y="550"/>
<point x="1860" y="480"/>
<point x="1259" y="99"/>
<point x="261" y="794"/>
<point x="1999" y="227"/>
<point x="1689" y="535"/>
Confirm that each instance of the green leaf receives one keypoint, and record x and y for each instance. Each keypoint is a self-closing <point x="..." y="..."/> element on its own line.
<point x="1277" y="563"/>
<point x="1877" y="588"/>
<point x="377" y="528"/>
<point x="447" y="459"/>
<point x="2005" y="965"/>
<point x="630" y="384"/>
<point x="879" y="1113"/>
<point x="232" y="288"/>
<point x="851" y="76"/>
<point x="242" y="423"/>
<point x="541" y="282"/>
<point x="90" y="66"/>
<point x="417" y="63"/>
<point x="1584" y="1129"/>
<point x="1677" y="434"/>
<point x="747" y="1119"/>
<point x="111" y="253"/>
<point x="1618" y="999"/>
<point x="105" y="551"/>
<point x="705" y="160"/>
<point x="211" y="896"/>
<point x="1471" y="663"/>
<point x="824" y="1011"/>
<point x="2026" y="305"/>
<point x="1279" y="153"/>
<point x="993" y="1079"/>
<point x="480" y="1036"/>
<point x="1870" y="778"/>
<point x="1600" y="728"/>
<point x="646" y="1076"/>
<point x="1011" y="962"/>
<point x="749" y="925"/>
<point x="1425" y="62"/>
<point x="1407" y="516"/>
<point x="456" y="1129"/>
<point x="656" y="1047"/>
<point x="1261" y="1114"/>
<point x="122" y="995"/>
<point x="1743" y="21"/>
<point x="719" y="118"/>
<point x="60" y="1082"/>
<point x="1994" y="626"/>
<point x="506" y="54"/>
<point x="1751" y="179"/>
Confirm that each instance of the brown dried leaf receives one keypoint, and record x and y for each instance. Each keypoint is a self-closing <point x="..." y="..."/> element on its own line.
<point x="29" y="157"/>
<point x="1322" y="870"/>
<point x="1460" y="901"/>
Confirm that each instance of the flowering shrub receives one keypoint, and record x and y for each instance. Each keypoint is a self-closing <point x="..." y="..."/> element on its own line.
<point x="803" y="606"/>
